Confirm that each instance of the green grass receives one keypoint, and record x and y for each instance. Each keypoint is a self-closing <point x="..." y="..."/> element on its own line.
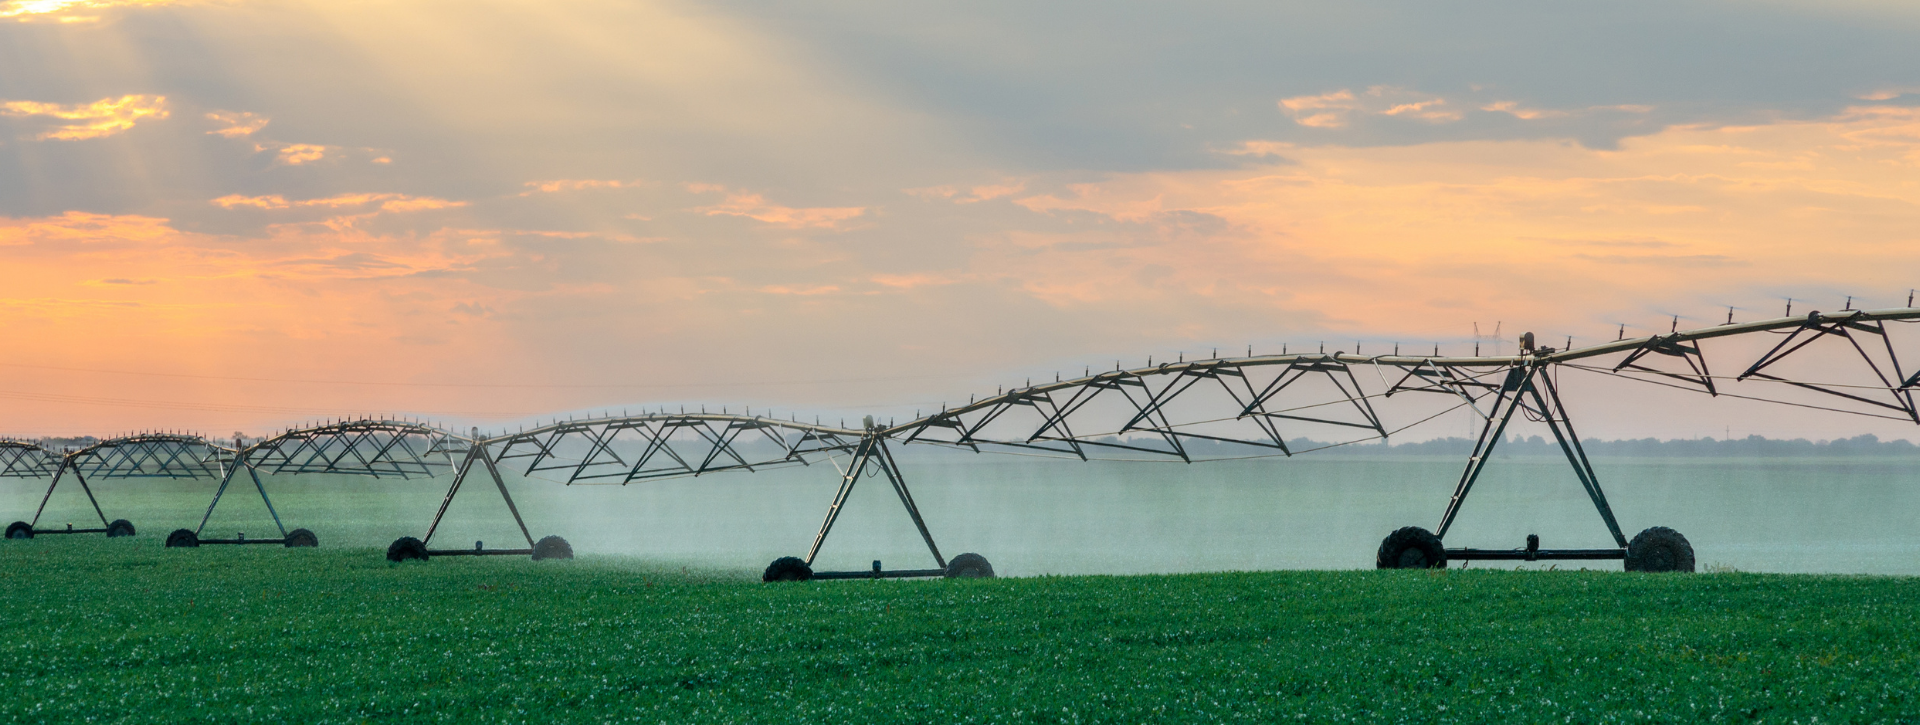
<point x="124" y="630"/>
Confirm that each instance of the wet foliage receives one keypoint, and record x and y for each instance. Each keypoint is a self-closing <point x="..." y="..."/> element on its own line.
<point x="123" y="630"/>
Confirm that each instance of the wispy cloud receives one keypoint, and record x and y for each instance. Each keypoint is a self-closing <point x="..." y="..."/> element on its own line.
<point x="800" y="290"/>
<point x="1639" y="243"/>
<point x="387" y="202"/>
<point x="66" y="11"/>
<point x="295" y="154"/>
<point x="1327" y="110"/>
<point x="1666" y="261"/>
<point x="235" y="124"/>
<point x="1888" y="94"/>
<point x="910" y="281"/>
<point x="1688" y="208"/>
<point x="973" y="195"/>
<point x="104" y="117"/>
<point x="1514" y="109"/>
<point x="1337" y="109"/>
<point x="756" y="207"/>
<point x="554" y="186"/>
<point x="79" y="227"/>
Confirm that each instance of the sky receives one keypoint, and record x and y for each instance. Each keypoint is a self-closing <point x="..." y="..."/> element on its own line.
<point x="238" y="215"/>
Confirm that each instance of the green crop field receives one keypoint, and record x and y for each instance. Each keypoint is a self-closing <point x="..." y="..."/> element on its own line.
<point x="125" y="630"/>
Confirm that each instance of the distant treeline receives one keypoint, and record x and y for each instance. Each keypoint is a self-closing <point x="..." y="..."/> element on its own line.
<point x="59" y="443"/>
<point x="1750" y="446"/>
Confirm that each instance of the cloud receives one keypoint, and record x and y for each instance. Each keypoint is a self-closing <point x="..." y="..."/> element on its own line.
<point x="1888" y="94"/>
<point x="1432" y="110"/>
<point x="1328" y="110"/>
<point x="974" y="195"/>
<point x="388" y="202"/>
<point x="1642" y="243"/>
<point x="351" y="262"/>
<point x="78" y="227"/>
<point x="756" y="207"/>
<point x="1667" y="260"/>
<point x="1272" y="150"/>
<point x="66" y="11"/>
<point x="910" y="281"/>
<point x="933" y="192"/>
<point x="994" y="191"/>
<point x="1336" y="109"/>
<point x="418" y="203"/>
<point x="295" y="154"/>
<point x="800" y="290"/>
<point x="555" y="186"/>
<point x="1514" y="109"/>
<point x="108" y="252"/>
<point x="101" y="118"/>
<point x="1542" y="226"/>
<point x="1340" y="109"/>
<point x="235" y="124"/>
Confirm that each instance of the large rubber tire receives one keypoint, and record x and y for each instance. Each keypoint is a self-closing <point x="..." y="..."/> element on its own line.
<point x="19" y="530"/>
<point x="969" y="566"/>
<point x="302" y="538"/>
<point x="405" y="548"/>
<point x="183" y="539"/>
<point x="119" y="528"/>
<point x="1411" y="547"/>
<point x="787" y="569"/>
<point x="552" y="547"/>
<point x="1660" y="549"/>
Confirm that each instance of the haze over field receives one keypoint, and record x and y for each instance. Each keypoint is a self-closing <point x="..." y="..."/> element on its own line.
<point x="240" y="214"/>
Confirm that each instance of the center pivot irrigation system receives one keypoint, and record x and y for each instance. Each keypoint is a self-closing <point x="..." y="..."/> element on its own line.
<point x="1186" y="410"/>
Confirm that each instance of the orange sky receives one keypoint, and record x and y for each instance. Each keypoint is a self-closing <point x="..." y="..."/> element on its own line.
<point x="515" y="210"/>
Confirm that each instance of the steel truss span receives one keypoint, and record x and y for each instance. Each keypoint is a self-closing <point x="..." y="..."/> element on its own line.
<point x="143" y="455"/>
<point x="1253" y="403"/>
<point x="1251" y="406"/>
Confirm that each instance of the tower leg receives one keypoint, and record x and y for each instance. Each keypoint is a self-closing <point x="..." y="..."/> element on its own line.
<point x="502" y="485"/>
<point x="857" y="466"/>
<point x="458" y="478"/>
<point x="82" y="480"/>
<point x="899" y="481"/>
<point x="1490" y="435"/>
<point x="263" y="499"/>
<point x="1526" y="383"/>
<point x="57" y="473"/>
<point x="1556" y="416"/>
<point x="225" y="479"/>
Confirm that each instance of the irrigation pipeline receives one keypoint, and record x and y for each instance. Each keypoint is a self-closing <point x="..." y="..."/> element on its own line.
<point x="1060" y="421"/>
<point x="1181" y="411"/>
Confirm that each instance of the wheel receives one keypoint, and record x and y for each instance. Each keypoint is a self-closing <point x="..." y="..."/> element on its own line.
<point x="1659" y="549"/>
<point x="406" y="547"/>
<point x="302" y="537"/>
<point x="1411" y="547"/>
<point x="552" y="547"/>
<point x="119" y="527"/>
<point x="969" y="566"/>
<point x="19" y="530"/>
<point x="787" y="569"/>
<point x="183" y="539"/>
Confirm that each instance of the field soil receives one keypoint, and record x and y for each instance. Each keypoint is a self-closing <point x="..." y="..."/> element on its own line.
<point x="124" y="630"/>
